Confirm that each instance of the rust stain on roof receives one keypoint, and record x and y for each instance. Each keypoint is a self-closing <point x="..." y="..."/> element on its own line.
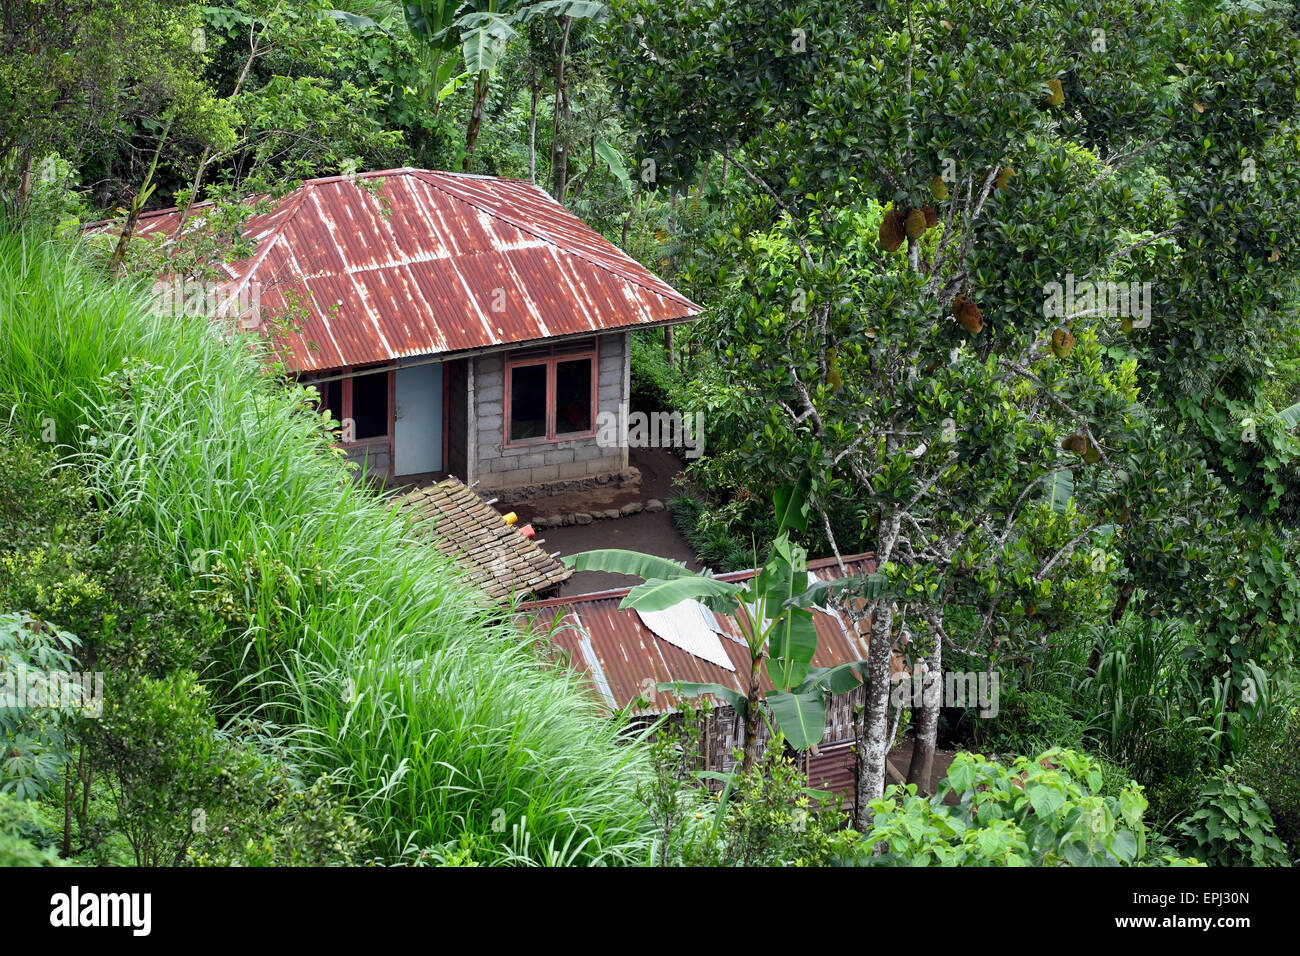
<point x="622" y="656"/>
<point x="409" y="262"/>
<point x="496" y="555"/>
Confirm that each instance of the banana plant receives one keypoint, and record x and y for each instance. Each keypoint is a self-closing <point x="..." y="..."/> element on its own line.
<point x="773" y="610"/>
<point x="482" y="28"/>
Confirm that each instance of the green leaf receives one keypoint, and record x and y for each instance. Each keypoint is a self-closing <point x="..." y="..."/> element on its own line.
<point x="612" y="158"/>
<point x="659" y="595"/>
<point x="839" y="679"/>
<point x="1060" y="489"/>
<point x="791" y="503"/>
<point x="801" y="717"/>
<point x="618" y="561"/>
<point x="791" y="646"/>
<point x="688" y="690"/>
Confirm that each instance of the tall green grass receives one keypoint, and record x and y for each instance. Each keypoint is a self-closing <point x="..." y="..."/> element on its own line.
<point x="444" y="729"/>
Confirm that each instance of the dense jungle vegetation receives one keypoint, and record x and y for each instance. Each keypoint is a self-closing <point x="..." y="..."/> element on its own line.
<point x="885" y="207"/>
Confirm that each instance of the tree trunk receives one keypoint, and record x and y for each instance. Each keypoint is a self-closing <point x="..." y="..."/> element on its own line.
<point x="475" y="117"/>
<point x="927" y="718"/>
<point x="875" y="743"/>
<point x="752" y="716"/>
<point x="532" y="133"/>
<point x="1116" y="615"/>
<point x="559" y="154"/>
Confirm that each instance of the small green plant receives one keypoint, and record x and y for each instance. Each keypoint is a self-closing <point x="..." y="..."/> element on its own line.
<point x="1048" y="810"/>
<point x="1232" y="826"/>
<point x="35" y="706"/>
<point x="25" y="839"/>
<point x="1271" y="765"/>
<point x="771" y="818"/>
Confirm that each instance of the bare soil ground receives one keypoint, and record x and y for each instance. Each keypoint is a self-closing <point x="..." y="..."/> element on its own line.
<point x="651" y="532"/>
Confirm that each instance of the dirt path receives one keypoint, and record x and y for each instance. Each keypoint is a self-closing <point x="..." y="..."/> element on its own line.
<point x="651" y="532"/>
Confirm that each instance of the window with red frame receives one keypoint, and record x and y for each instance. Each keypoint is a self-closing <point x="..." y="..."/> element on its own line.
<point x="362" y="398"/>
<point x="551" y="393"/>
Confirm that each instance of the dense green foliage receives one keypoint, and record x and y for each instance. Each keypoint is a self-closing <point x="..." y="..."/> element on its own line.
<point x="1047" y="810"/>
<point x="873" y="200"/>
<point x="436" y="720"/>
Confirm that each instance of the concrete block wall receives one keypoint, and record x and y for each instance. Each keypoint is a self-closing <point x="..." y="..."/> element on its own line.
<point x="376" y="457"/>
<point x="498" y="467"/>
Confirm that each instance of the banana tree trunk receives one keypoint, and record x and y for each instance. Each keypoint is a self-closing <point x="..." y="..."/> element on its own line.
<point x="475" y="117"/>
<point x="752" y="717"/>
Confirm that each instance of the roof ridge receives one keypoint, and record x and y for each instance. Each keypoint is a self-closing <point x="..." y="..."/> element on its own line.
<point x="524" y="227"/>
<point x="816" y="564"/>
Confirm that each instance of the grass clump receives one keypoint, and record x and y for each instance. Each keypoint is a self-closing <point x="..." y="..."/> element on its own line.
<point x="395" y="677"/>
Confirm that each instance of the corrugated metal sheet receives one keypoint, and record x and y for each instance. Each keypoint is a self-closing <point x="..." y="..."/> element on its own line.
<point x="410" y="262"/>
<point x="624" y="658"/>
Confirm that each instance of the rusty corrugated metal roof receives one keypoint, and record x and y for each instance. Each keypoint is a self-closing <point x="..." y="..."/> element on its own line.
<point x="622" y="656"/>
<point x="409" y="262"/>
<point x="497" y="556"/>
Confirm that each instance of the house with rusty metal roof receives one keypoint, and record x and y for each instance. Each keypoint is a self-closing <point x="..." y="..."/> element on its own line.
<point x="625" y="654"/>
<point x="457" y="325"/>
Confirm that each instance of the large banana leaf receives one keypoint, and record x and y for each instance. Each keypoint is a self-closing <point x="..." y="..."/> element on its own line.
<point x="687" y="690"/>
<point x="791" y="503"/>
<point x="659" y="595"/>
<point x="790" y="647"/>
<point x="619" y="561"/>
<point x="839" y="679"/>
<point x="1060" y="488"/>
<point x="429" y="21"/>
<point x="483" y="38"/>
<point x="801" y="717"/>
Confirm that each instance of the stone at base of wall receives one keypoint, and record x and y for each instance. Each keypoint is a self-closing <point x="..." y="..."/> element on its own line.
<point x="587" y="517"/>
<point x="629" y="479"/>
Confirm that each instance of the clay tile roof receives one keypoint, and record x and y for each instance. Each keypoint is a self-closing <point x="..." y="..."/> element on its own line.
<point x="406" y="262"/>
<point x="496" y="555"/>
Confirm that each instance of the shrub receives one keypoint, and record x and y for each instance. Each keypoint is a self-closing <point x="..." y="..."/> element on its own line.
<point x="1044" y="811"/>
<point x="91" y="572"/>
<point x="771" y="818"/>
<point x="34" y="714"/>
<point x="656" y="384"/>
<point x="1270" y="765"/>
<point x="1029" y="721"/>
<point x="25" y="839"/>
<point x="1232" y="826"/>
<point x="269" y="818"/>
<point x="156" y="742"/>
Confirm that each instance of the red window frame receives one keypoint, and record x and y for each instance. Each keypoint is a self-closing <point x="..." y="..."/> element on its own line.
<point x="345" y="403"/>
<point x="555" y="356"/>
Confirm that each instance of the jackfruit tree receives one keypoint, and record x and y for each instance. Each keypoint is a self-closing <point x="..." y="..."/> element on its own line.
<point x="1137" y="155"/>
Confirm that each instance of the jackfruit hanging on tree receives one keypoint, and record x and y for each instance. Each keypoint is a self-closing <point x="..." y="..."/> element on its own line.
<point x="938" y="188"/>
<point x="833" y="377"/>
<point x="1062" y="343"/>
<point x="931" y="216"/>
<point x="892" y="231"/>
<point x="1081" y="446"/>
<point x="915" y="224"/>
<point x="1056" y="95"/>
<point x="1004" y="177"/>
<point x="967" y="314"/>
